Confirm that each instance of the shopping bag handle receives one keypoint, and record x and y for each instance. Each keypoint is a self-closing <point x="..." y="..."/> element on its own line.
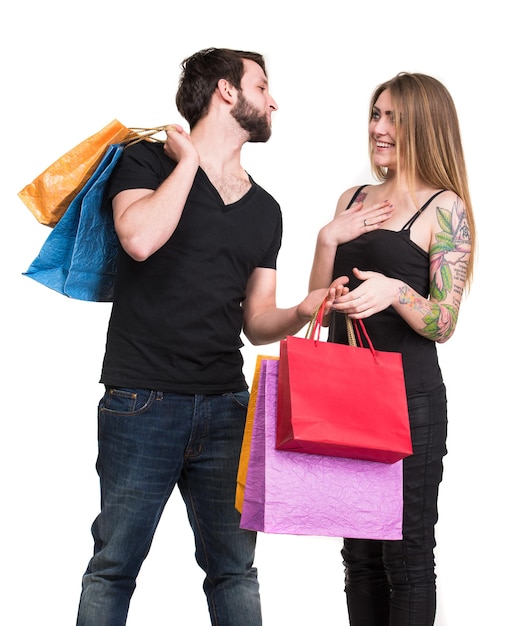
<point x="353" y="329"/>
<point x="140" y="134"/>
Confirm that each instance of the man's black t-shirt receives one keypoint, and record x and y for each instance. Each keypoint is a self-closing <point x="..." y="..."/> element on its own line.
<point x="177" y="317"/>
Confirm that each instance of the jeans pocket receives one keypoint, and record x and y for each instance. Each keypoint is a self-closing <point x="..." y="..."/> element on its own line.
<point x="121" y="401"/>
<point x="241" y="398"/>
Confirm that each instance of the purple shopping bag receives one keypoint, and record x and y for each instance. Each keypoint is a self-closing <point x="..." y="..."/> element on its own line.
<point x="296" y="493"/>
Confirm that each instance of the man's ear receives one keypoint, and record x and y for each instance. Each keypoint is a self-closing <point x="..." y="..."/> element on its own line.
<point x="226" y="90"/>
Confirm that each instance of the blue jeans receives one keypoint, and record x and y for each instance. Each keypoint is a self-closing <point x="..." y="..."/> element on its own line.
<point x="150" y="441"/>
<point x="393" y="583"/>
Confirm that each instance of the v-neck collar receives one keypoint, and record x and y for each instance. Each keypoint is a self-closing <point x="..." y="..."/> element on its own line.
<point x="217" y="194"/>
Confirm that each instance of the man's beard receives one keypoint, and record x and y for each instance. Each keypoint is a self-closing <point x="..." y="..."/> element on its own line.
<point x="251" y="120"/>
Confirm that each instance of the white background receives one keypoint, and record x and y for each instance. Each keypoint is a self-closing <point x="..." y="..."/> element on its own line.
<point x="69" y="69"/>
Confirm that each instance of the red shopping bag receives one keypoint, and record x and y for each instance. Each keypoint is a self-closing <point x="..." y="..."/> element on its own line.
<point x="342" y="400"/>
<point x="309" y="494"/>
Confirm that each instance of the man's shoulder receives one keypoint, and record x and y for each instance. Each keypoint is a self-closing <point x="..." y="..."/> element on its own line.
<point x="146" y="149"/>
<point x="266" y="196"/>
<point x="147" y="155"/>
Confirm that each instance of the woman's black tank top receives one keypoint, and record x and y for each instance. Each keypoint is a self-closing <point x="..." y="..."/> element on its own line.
<point x="393" y="254"/>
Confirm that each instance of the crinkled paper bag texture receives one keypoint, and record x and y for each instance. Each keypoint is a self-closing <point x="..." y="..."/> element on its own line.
<point x="306" y="494"/>
<point x="79" y="257"/>
<point x="246" y="441"/>
<point x="49" y="195"/>
<point x="342" y="400"/>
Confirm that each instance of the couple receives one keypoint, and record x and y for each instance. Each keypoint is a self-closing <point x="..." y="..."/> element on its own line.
<point x="199" y="242"/>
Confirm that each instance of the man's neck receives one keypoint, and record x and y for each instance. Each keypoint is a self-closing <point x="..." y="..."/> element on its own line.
<point x="219" y="147"/>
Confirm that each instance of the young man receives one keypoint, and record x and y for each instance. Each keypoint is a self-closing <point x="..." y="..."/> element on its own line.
<point x="199" y="242"/>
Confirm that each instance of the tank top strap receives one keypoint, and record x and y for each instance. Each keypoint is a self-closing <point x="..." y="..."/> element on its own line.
<point x="355" y="196"/>
<point x="418" y="213"/>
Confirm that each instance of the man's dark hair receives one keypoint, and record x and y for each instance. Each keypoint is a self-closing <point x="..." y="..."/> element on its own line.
<point x="201" y="73"/>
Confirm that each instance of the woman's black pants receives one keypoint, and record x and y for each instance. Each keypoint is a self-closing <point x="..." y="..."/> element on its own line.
<point x="393" y="583"/>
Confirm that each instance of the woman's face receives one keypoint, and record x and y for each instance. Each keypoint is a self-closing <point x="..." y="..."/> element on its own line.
<point x="382" y="132"/>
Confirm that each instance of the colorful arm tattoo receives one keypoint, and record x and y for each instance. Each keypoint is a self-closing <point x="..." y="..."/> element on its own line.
<point x="449" y="256"/>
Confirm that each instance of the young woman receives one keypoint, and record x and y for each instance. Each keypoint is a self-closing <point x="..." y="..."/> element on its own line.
<point x="407" y="243"/>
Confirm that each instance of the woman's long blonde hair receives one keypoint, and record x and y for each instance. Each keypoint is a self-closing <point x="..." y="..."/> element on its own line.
<point x="428" y="140"/>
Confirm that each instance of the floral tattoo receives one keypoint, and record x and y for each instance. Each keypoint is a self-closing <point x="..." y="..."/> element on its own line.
<point x="448" y="266"/>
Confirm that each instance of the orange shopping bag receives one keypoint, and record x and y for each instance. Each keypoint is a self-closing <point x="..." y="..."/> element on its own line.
<point x="246" y="442"/>
<point x="50" y="194"/>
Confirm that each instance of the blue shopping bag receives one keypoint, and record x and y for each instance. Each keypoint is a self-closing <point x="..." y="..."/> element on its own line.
<point x="79" y="257"/>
